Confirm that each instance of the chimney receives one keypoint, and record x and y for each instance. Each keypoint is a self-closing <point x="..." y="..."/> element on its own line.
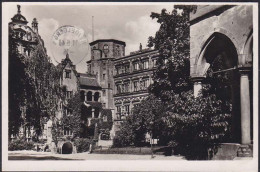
<point x="35" y="25"/>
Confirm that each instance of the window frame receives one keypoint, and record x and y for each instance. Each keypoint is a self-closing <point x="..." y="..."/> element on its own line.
<point x="68" y="74"/>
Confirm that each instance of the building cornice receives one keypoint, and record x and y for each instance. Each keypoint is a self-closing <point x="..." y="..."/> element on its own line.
<point x="107" y="40"/>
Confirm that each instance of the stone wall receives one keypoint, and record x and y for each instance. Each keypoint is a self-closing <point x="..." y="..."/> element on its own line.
<point x="235" y="22"/>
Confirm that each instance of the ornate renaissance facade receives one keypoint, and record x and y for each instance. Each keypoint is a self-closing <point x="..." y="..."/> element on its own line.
<point x="132" y="77"/>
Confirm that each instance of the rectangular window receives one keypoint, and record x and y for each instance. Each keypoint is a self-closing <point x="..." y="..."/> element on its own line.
<point x="104" y="92"/>
<point x="126" y="68"/>
<point x="141" y="85"/>
<point x="67" y="132"/>
<point x="141" y="65"/>
<point x="118" y="109"/>
<point x="136" y="66"/>
<point x="68" y="94"/>
<point x="127" y="108"/>
<point x="145" y="83"/>
<point x="67" y="74"/>
<point x="135" y="85"/>
<point x="123" y="88"/>
<point x="117" y="70"/>
<point x="126" y="87"/>
<point x="154" y="62"/>
<point x="118" y="89"/>
<point x="146" y="64"/>
<point x="118" y="112"/>
<point x="104" y="76"/>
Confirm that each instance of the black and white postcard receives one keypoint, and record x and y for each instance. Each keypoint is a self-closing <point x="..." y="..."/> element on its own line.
<point x="125" y="86"/>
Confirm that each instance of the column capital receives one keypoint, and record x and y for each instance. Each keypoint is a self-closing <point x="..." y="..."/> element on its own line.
<point x="197" y="79"/>
<point x="245" y="69"/>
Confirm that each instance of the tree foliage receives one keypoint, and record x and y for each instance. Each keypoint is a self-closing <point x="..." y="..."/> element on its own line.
<point x="197" y="124"/>
<point x="77" y="120"/>
<point x="146" y="118"/>
<point x="173" y="43"/>
<point x="193" y="125"/>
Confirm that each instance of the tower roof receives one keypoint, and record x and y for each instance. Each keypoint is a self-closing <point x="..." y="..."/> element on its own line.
<point x="19" y="18"/>
<point x="107" y="40"/>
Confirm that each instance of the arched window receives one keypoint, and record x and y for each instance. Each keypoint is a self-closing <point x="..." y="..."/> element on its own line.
<point x="89" y="96"/>
<point x="105" y="136"/>
<point x="96" y="96"/>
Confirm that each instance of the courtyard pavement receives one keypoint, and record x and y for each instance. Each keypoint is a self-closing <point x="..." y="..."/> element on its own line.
<point x="33" y="155"/>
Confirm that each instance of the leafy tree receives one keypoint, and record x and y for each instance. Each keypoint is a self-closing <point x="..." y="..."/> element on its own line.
<point x="126" y="135"/>
<point x="17" y="82"/>
<point x="173" y="43"/>
<point x="77" y="119"/>
<point x="193" y="125"/>
<point x="197" y="124"/>
<point x="74" y="119"/>
<point x="146" y="118"/>
<point x="34" y="91"/>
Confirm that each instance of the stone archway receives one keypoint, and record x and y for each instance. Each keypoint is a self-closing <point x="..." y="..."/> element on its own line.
<point x="220" y="60"/>
<point x="67" y="148"/>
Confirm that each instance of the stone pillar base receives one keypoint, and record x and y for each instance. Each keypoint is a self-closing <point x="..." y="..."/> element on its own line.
<point x="245" y="151"/>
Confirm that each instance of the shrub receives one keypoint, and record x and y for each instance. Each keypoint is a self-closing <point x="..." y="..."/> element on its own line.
<point x="20" y="144"/>
<point x="197" y="124"/>
<point x="125" y="136"/>
<point x="82" y="144"/>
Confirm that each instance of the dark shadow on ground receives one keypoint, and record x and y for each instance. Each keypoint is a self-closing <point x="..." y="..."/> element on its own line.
<point x="36" y="158"/>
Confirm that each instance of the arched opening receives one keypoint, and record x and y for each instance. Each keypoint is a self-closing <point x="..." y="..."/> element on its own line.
<point x="89" y="96"/>
<point x="104" y="136"/>
<point x="223" y="80"/>
<point x="67" y="148"/>
<point x="96" y="96"/>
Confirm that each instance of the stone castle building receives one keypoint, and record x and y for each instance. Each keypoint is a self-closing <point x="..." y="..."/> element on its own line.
<point x="132" y="77"/>
<point x="103" y="52"/>
<point x="124" y="79"/>
<point x="224" y="33"/>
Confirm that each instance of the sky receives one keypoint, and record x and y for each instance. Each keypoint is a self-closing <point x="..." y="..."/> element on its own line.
<point x="129" y="23"/>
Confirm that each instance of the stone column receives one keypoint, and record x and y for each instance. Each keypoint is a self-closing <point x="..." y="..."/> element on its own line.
<point x="85" y="94"/>
<point x="197" y="85"/>
<point x="93" y="113"/>
<point x="245" y="106"/>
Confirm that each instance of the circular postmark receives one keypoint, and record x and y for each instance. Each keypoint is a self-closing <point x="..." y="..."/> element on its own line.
<point x="69" y="40"/>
